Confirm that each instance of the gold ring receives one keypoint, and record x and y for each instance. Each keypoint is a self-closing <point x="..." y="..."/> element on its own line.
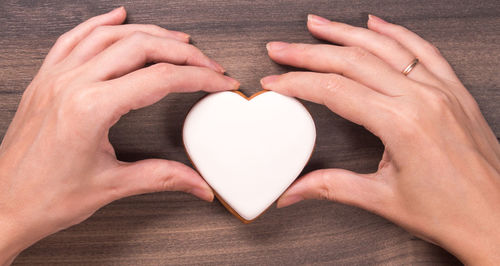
<point x="410" y="67"/>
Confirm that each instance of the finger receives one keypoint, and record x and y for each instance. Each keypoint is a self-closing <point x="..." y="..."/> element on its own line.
<point x="353" y="62"/>
<point x="155" y="175"/>
<point x="135" y="51"/>
<point x="387" y="49"/>
<point x="341" y="186"/>
<point x="148" y="85"/>
<point x="428" y="54"/>
<point x="65" y="44"/>
<point x="104" y="36"/>
<point x="347" y="98"/>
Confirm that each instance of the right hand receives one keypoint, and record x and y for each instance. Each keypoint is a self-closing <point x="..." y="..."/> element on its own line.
<point x="57" y="166"/>
<point x="439" y="175"/>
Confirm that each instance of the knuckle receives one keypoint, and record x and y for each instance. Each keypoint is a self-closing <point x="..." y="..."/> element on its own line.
<point x="81" y="103"/>
<point x="357" y="54"/>
<point x="325" y="190"/>
<point x="346" y="29"/>
<point x="406" y="116"/>
<point x="431" y="48"/>
<point x="331" y="85"/>
<point x="100" y="32"/>
<point x="191" y="50"/>
<point x="190" y="54"/>
<point x="155" y="28"/>
<point x="400" y="29"/>
<point x="137" y="42"/>
<point x="290" y="75"/>
<point x="472" y="105"/>
<point x="393" y="45"/>
<point x="168" y="183"/>
<point x="137" y="37"/>
<point x="58" y="83"/>
<point x="297" y="51"/>
<point x="163" y="68"/>
<point x="164" y="177"/>
<point x="92" y="21"/>
<point x="432" y="104"/>
<point x="64" y="39"/>
<point x="299" y="47"/>
<point x="438" y="100"/>
<point x="115" y="192"/>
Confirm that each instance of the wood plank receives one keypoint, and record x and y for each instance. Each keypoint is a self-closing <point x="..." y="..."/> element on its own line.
<point x="174" y="228"/>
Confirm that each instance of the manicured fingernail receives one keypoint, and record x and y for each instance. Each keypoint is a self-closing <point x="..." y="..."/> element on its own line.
<point x="215" y="66"/>
<point x="276" y="46"/>
<point x="234" y="82"/>
<point x="317" y="20"/>
<point x="264" y="82"/>
<point x="204" y="194"/>
<point x="116" y="10"/>
<point x="376" y="19"/>
<point x="288" y="200"/>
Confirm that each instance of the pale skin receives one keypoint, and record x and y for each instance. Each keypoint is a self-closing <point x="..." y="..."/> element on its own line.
<point x="438" y="178"/>
<point x="439" y="175"/>
<point x="57" y="164"/>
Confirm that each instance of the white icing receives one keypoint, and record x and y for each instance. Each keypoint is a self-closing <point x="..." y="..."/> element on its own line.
<point x="249" y="152"/>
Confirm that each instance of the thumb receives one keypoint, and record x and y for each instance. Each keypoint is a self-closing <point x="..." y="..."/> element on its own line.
<point x="154" y="175"/>
<point x="339" y="185"/>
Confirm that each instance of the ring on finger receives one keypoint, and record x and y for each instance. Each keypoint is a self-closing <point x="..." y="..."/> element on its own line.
<point x="410" y="67"/>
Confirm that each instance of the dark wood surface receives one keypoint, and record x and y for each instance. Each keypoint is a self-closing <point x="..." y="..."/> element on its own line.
<point x="176" y="228"/>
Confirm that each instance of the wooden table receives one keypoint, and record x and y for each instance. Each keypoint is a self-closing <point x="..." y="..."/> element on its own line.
<point x="176" y="228"/>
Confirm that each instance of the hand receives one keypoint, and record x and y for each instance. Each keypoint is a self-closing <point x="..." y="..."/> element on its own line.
<point x="57" y="164"/>
<point x="439" y="175"/>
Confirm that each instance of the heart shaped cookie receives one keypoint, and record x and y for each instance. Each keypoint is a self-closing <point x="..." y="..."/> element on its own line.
<point x="249" y="150"/>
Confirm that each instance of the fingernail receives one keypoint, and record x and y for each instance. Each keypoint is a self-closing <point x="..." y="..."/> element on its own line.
<point x="288" y="200"/>
<point x="276" y="46"/>
<point x="376" y="19"/>
<point x="317" y="20"/>
<point x="116" y="9"/>
<point x="266" y="81"/>
<point x="215" y="66"/>
<point x="203" y="194"/>
<point x="234" y="82"/>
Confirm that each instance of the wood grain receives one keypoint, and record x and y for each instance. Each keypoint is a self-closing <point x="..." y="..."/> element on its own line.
<point x="175" y="228"/>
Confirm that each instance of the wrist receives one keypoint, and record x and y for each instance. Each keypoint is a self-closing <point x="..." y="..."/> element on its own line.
<point x="475" y="248"/>
<point x="480" y="252"/>
<point x="10" y="244"/>
<point x="10" y="241"/>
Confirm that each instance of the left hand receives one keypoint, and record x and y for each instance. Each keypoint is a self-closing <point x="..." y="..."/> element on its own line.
<point x="439" y="176"/>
